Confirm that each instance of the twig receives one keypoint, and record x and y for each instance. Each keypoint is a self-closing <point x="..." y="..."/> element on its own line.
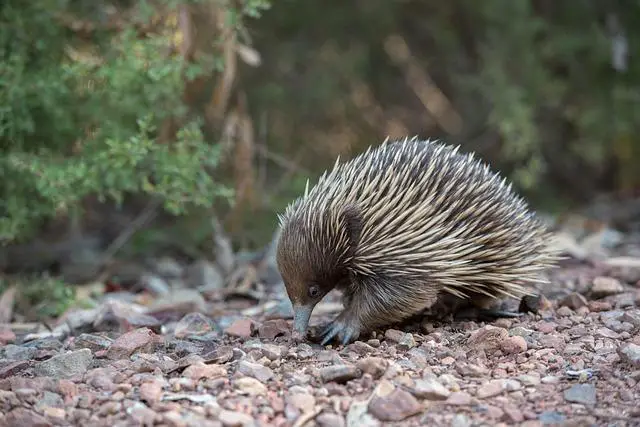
<point x="147" y="214"/>
<point x="433" y="99"/>
<point x="305" y="418"/>
<point x="281" y="160"/>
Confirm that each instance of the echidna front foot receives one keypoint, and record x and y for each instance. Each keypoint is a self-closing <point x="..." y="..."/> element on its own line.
<point x="345" y="329"/>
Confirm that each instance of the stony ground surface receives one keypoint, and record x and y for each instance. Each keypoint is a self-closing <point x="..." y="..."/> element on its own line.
<point x="211" y="359"/>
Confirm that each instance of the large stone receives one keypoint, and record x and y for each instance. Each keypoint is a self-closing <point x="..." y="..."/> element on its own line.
<point x="392" y="404"/>
<point x="65" y="365"/>
<point x="139" y="340"/>
<point x="606" y="286"/>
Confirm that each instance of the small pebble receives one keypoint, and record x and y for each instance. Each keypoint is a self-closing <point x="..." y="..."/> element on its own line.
<point x="339" y="373"/>
<point x="430" y="389"/>
<point x="375" y="366"/>
<point x="630" y="353"/>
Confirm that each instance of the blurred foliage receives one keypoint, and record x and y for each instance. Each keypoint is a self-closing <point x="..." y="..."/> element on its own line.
<point x="80" y="113"/>
<point x="534" y="82"/>
<point x="42" y="297"/>
<point x="546" y="91"/>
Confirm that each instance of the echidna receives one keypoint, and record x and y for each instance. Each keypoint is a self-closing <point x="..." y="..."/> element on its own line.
<point x="399" y="226"/>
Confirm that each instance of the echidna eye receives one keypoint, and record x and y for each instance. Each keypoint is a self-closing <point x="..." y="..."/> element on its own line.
<point x="313" y="291"/>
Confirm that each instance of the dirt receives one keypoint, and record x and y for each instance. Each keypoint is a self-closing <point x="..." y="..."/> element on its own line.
<point x="574" y="363"/>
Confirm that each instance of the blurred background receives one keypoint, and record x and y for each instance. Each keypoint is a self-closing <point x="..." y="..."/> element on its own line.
<point x="138" y="131"/>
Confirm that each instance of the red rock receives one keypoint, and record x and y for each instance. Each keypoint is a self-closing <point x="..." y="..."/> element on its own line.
<point x="101" y="381"/>
<point x="392" y="404"/>
<point x="513" y="345"/>
<point x="242" y="328"/>
<point x="151" y="392"/>
<point x="487" y="338"/>
<point x="6" y="336"/>
<point x="68" y="390"/>
<point x="271" y="329"/>
<point x="139" y="340"/>
<point x="598" y="306"/>
<point x="546" y="327"/>
<point x="574" y="301"/>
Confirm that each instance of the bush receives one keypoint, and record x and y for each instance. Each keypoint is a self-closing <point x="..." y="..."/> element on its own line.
<point x="80" y="111"/>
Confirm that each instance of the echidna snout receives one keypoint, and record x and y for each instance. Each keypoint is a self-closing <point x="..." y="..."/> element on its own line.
<point x="309" y="270"/>
<point x="399" y="226"/>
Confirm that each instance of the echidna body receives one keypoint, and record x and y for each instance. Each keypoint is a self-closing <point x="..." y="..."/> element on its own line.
<point x="400" y="225"/>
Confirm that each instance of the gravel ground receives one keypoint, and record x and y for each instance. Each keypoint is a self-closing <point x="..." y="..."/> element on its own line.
<point x="574" y="363"/>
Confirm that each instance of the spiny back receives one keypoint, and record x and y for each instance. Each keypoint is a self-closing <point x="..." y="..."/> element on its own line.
<point x="428" y="211"/>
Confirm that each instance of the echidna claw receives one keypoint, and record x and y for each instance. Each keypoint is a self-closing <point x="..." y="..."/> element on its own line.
<point x="340" y="329"/>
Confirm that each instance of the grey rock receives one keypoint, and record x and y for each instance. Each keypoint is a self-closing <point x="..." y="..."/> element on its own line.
<point x="255" y="370"/>
<point x="630" y="353"/>
<point x="65" y="365"/>
<point x="16" y="352"/>
<point x="460" y="420"/>
<point x="193" y="324"/>
<point x="92" y="342"/>
<point x="430" y="389"/>
<point x="358" y="416"/>
<point x="551" y="417"/>
<point x="50" y="343"/>
<point x="632" y="317"/>
<point x="339" y="373"/>
<point x="581" y="393"/>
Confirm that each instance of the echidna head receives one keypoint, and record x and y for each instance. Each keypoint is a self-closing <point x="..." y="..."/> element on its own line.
<point x="313" y="256"/>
